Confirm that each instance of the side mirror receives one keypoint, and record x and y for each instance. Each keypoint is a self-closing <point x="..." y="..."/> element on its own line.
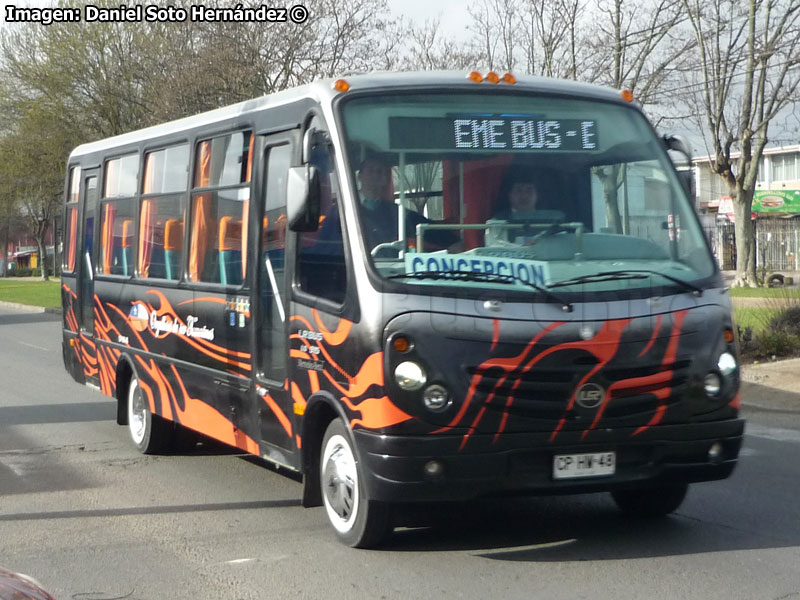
<point x="679" y="144"/>
<point x="303" y="198"/>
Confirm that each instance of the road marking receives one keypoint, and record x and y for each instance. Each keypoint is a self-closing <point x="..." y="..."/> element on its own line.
<point x="14" y="465"/>
<point x="773" y="433"/>
<point x="34" y="346"/>
<point x="239" y="561"/>
<point x="513" y="549"/>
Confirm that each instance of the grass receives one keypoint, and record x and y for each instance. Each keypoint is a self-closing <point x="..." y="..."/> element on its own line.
<point x="756" y="318"/>
<point x="32" y="293"/>
<point x="745" y="292"/>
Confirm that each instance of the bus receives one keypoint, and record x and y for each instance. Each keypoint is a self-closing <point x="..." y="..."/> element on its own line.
<point x="336" y="278"/>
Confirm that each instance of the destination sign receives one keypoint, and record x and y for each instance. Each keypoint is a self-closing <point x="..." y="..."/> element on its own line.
<point x="526" y="271"/>
<point x="509" y="133"/>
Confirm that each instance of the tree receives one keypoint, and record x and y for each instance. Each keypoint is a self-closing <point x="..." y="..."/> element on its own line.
<point x="748" y="54"/>
<point x="551" y="37"/>
<point x="32" y="170"/>
<point x="636" y="46"/>
<point x="429" y="50"/>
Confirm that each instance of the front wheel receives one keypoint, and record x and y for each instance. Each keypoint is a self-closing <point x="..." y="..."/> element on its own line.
<point x="149" y="432"/>
<point x="651" y="502"/>
<point x="358" y="521"/>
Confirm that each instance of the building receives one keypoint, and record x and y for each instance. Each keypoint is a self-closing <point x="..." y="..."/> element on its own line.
<point x="777" y="189"/>
<point x="776" y="204"/>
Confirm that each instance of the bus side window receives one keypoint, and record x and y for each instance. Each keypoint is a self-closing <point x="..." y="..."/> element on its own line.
<point x="321" y="269"/>
<point x="117" y="216"/>
<point x="70" y="231"/>
<point x="220" y="206"/>
<point x="162" y="214"/>
<point x="116" y="237"/>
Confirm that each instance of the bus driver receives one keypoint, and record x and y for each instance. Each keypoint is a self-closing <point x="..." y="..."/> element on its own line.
<point x="521" y="205"/>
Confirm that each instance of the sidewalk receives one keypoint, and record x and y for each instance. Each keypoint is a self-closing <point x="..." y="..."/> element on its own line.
<point x="772" y="385"/>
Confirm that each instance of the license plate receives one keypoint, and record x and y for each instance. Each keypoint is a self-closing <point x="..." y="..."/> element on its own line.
<point x="572" y="466"/>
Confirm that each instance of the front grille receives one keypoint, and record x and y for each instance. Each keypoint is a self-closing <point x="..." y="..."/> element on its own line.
<point x="544" y="391"/>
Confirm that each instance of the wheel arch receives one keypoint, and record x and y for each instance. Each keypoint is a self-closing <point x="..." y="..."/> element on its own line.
<point x="322" y="408"/>
<point x="126" y="371"/>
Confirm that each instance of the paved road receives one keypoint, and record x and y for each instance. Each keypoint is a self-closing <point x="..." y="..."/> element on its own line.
<point x="93" y="520"/>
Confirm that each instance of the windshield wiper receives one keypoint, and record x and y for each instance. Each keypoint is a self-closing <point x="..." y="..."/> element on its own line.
<point x="487" y="277"/>
<point x="460" y="275"/>
<point x="627" y="274"/>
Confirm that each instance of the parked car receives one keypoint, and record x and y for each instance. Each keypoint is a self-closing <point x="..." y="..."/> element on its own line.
<point x="15" y="586"/>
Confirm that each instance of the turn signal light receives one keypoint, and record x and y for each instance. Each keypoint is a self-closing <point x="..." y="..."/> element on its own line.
<point x="728" y="336"/>
<point x="401" y="344"/>
<point x="341" y="85"/>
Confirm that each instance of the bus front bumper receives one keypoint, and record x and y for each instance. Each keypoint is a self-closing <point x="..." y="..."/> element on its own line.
<point x="432" y="468"/>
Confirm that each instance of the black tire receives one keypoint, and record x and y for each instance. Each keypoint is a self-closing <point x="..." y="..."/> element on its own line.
<point x="650" y="502"/>
<point x="358" y="521"/>
<point x="775" y="280"/>
<point x="150" y="433"/>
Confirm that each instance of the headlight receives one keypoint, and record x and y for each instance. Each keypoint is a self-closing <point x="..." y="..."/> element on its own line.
<point x="727" y="364"/>
<point x="409" y="376"/>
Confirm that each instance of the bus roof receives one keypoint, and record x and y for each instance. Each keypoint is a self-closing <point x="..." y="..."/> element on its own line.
<point x="322" y="91"/>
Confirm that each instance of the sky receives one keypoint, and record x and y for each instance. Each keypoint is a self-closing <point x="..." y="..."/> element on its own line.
<point x="453" y="17"/>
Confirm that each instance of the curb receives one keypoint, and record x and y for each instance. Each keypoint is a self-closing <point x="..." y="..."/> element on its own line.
<point x="779" y="400"/>
<point x="27" y="308"/>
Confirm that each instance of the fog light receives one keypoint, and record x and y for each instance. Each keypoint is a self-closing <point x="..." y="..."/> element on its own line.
<point x="727" y="364"/>
<point x="409" y="376"/>
<point x="436" y="398"/>
<point x="715" y="452"/>
<point x="712" y="384"/>
<point x="433" y="468"/>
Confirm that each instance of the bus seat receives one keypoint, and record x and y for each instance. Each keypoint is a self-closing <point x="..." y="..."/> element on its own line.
<point x="173" y="248"/>
<point x="230" y="250"/>
<point x="125" y="255"/>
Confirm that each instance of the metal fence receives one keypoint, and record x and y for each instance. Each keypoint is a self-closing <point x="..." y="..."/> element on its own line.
<point x="777" y="244"/>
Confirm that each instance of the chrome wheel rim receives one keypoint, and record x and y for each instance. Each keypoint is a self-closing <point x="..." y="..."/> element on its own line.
<point x="137" y="419"/>
<point x="340" y="483"/>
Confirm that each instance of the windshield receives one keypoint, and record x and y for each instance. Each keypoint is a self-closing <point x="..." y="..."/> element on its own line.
<point x="521" y="189"/>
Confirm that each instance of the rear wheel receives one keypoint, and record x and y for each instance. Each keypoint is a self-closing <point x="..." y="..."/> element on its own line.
<point x="149" y="432"/>
<point x="651" y="502"/>
<point x="358" y="521"/>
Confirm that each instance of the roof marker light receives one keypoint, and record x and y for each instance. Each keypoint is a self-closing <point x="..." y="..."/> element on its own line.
<point x="492" y="77"/>
<point x="509" y="78"/>
<point x="341" y="85"/>
<point x="626" y="95"/>
<point x="475" y="76"/>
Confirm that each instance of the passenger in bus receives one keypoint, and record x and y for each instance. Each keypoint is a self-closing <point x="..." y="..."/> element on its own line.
<point x="520" y="205"/>
<point x="379" y="212"/>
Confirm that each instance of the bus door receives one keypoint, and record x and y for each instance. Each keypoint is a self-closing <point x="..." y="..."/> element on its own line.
<point x="85" y="268"/>
<point x="270" y="301"/>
